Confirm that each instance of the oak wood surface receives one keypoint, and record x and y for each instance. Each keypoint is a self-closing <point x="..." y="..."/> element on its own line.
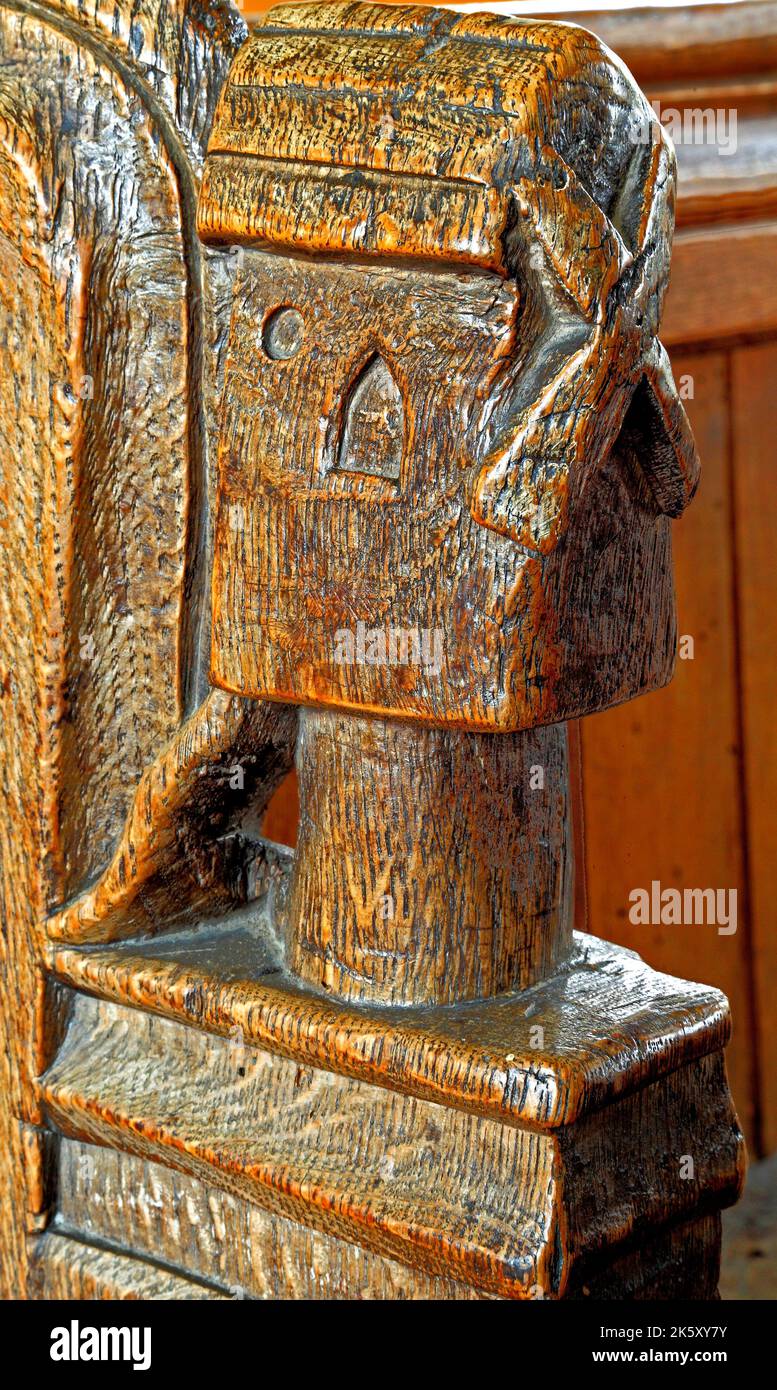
<point x="631" y="1029"/>
<point x="723" y="287"/>
<point x="530" y="1140"/>
<point x="73" y="1269"/>
<point x="504" y="412"/>
<point x="754" y="505"/>
<point x="722" y="296"/>
<point x="256" y="1254"/>
<point x="425" y="1183"/>
<point x="457" y="881"/>
<point x="242" y="1250"/>
<point x="99" y="115"/>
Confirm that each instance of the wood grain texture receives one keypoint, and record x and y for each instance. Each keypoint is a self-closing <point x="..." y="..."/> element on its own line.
<point x="723" y="298"/>
<point x="444" y="411"/>
<point x="105" y="483"/>
<point x="515" y="382"/>
<point x="115" y="1197"/>
<point x="181" y="853"/>
<point x="503" y="1207"/>
<point x="723" y="292"/>
<point x="691" y="41"/>
<point x="739" y="263"/>
<point x="608" y="1024"/>
<point x="673" y="762"/>
<point x="397" y="1174"/>
<point x="107" y="1195"/>
<point x="554" y="571"/>
<point x="754" y="503"/>
<point x="122" y="301"/>
<point x="339" y="556"/>
<point x="710" y="72"/>
<point x="65" y="1268"/>
<point x="457" y="878"/>
<point x="681" y="1263"/>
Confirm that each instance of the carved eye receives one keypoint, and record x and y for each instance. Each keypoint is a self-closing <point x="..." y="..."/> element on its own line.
<point x="283" y="333"/>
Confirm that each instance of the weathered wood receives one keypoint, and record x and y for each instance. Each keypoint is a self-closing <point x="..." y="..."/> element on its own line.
<point x="487" y="909"/>
<point x="424" y="1183"/>
<point x="111" y="319"/>
<point x="181" y="854"/>
<point x="65" y="1268"/>
<point x="422" y="543"/>
<point x="435" y="250"/>
<point x="108" y="1195"/>
<point x="511" y="385"/>
<point x="604" y="1024"/>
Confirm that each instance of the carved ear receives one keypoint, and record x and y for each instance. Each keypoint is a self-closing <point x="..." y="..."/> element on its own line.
<point x="523" y="487"/>
<point x="564" y="406"/>
<point x="658" y="434"/>
<point x="602" y="297"/>
<point x="573" y="418"/>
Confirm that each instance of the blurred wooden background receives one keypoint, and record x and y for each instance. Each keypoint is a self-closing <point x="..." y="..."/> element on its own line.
<point x="680" y="786"/>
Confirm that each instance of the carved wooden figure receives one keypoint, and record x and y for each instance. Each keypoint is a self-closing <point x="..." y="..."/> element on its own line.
<point x="406" y="415"/>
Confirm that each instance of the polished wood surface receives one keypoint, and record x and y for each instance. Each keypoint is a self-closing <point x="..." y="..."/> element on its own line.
<point x="714" y="724"/>
<point x="696" y="761"/>
<point x="415" y="383"/>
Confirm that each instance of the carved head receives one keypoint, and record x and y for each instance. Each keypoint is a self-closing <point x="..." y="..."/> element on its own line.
<point x="450" y="440"/>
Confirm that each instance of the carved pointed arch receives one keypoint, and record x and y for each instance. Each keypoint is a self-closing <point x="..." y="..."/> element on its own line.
<point x="373" y="423"/>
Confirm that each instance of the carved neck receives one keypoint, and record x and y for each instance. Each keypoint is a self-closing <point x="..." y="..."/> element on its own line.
<point x="432" y="865"/>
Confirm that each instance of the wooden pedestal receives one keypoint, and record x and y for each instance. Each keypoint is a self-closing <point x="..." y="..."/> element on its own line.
<point x="574" y="1139"/>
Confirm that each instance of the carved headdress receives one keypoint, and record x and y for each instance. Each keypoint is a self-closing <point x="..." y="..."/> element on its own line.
<point x="508" y="182"/>
<point x="373" y="131"/>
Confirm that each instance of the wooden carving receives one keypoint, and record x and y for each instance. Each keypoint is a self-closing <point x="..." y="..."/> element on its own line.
<point x="394" y="399"/>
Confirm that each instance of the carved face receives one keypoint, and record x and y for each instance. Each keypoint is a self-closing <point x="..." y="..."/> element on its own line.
<point x="360" y="402"/>
<point x="450" y="442"/>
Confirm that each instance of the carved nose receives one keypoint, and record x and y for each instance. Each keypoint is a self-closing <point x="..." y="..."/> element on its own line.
<point x="373" y="429"/>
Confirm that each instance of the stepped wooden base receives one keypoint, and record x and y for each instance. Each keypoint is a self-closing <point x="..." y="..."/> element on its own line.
<point x="576" y="1139"/>
<point x="231" y="1248"/>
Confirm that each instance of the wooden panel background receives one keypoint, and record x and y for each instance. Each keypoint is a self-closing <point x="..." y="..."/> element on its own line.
<point x="662" y="777"/>
<point x="681" y="785"/>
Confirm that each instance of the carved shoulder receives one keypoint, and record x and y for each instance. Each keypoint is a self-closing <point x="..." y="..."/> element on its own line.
<point x="112" y="313"/>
